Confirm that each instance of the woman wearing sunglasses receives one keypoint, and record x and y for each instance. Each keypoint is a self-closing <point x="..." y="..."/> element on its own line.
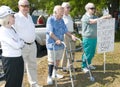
<point x="89" y="35"/>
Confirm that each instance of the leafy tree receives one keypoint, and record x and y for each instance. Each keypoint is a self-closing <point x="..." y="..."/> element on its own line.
<point x="12" y="3"/>
<point x="77" y="6"/>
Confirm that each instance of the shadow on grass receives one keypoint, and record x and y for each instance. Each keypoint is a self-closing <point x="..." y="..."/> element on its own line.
<point x="112" y="70"/>
<point x="101" y="79"/>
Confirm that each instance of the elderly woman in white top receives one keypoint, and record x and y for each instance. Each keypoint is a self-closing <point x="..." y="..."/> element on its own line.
<point x="13" y="64"/>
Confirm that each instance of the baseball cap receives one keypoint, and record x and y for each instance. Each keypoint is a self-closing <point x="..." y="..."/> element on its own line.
<point x="5" y="10"/>
<point x="23" y="2"/>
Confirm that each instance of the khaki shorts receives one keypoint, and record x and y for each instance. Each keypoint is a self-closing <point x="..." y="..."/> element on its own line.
<point x="58" y="55"/>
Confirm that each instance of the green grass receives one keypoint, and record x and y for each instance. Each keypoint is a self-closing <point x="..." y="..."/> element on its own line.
<point x="111" y="78"/>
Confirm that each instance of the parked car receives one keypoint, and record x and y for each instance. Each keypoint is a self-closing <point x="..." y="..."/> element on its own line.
<point x="40" y="30"/>
<point x="40" y="40"/>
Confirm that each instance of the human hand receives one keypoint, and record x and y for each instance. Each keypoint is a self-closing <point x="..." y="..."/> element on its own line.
<point x="58" y="42"/>
<point x="109" y="16"/>
<point x="73" y="37"/>
<point x="106" y="17"/>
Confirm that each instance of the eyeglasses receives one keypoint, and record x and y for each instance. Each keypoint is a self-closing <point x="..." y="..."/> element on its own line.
<point x="68" y="7"/>
<point x="93" y="8"/>
<point x="25" y="6"/>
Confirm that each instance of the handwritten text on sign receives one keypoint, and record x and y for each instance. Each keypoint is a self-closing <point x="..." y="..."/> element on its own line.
<point x="105" y="35"/>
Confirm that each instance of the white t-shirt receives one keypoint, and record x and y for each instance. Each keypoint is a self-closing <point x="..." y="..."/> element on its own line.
<point x="25" y="27"/>
<point x="68" y="22"/>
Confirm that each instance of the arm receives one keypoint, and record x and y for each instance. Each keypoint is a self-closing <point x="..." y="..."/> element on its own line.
<point x="12" y="39"/>
<point x="72" y="36"/>
<point x="93" y="21"/>
<point x="50" y="31"/>
<point x="13" y="43"/>
<point x="52" y="35"/>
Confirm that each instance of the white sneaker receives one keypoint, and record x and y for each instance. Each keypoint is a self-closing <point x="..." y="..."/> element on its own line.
<point x="85" y="70"/>
<point x="58" y="76"/>
<point x="49" y="80"/>
<point x="92" y="67"/>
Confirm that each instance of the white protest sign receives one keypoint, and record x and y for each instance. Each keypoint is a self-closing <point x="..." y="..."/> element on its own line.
<point x="105" y="35"/>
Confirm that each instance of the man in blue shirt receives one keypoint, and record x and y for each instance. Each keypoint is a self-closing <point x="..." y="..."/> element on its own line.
<point x="56" y="29"/>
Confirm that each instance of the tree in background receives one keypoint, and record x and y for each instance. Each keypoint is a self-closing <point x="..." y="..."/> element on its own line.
<point x="77" y="6"/>
<point x="11" y="3"/>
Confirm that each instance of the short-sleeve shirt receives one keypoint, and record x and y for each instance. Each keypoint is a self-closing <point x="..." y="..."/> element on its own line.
<point x="88" y="30"/>
<point x="57" y="27"/>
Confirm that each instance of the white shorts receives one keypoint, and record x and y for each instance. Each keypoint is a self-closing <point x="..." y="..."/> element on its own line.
<point x="58" y="55"/>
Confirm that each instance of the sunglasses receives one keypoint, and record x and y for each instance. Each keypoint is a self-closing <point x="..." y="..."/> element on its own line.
<point x="68" y="7"/>
<point x="25" y="6"/>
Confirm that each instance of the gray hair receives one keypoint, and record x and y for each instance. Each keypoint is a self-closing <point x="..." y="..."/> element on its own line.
<point x="56" y="8"/>
<point x="23" y="2"/>
<point x="64" y="4"/>
<point x="4" y="21"/>
<point x="89" y="5"/>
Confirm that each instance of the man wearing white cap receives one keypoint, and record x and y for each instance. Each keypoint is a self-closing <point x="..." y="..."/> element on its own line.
<point x="26" y="30"/>
<point x="69" y="24"/>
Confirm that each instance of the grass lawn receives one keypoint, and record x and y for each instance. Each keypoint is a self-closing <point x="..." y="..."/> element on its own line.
<point x="111" y="78"/>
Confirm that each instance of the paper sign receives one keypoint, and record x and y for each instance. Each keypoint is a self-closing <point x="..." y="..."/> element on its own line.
<point x="105" y="35"/>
